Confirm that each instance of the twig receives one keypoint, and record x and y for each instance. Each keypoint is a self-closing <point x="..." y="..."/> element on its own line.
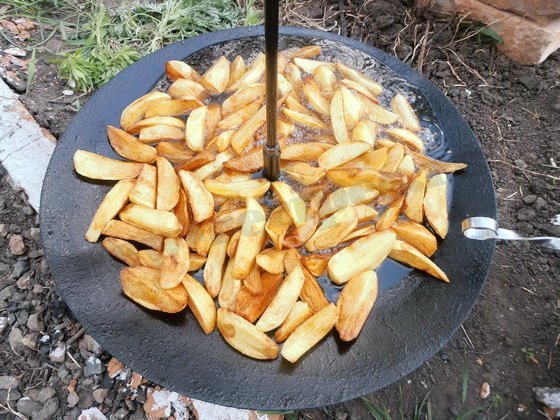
<point x="468" y="338"/>
<point x="72" y="339"/>
<point x="549" y="364"/>
<point x="10" y="409"/>
<point x="528" y="290"/>
<point x="343" y="24"/>
<point x="455" y="74"/>
<point x="555" y="178"/>
<point x="420" y="62"/>
<point x="74" y="360"/>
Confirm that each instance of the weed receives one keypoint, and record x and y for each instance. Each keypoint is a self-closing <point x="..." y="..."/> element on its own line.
<point x="423" y="408"/>
<point x="377" y="413"/>
<point x="465" y="385"/>
<point x="487" y="35"/>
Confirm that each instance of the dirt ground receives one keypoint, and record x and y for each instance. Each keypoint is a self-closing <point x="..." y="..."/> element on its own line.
<point x="512" y="338"/>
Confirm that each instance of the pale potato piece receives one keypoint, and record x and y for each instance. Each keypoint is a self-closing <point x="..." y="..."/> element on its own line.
<point x="250" y="241"/>
<point x="362" y="79"/>
<point x="293" y="104"/>
<point x="299" y="313"/>
<point x="254" y="74"/>
<point x="360" y="232"/>
<point x="181" y="210"/>
<point x="365" y="131"/>
<point x="253" y="188"/>
<point x="394" y="158"/>
<point x="201" y="304"/>
<point x="187" y="88"/>
<point x="309" y="51"/>
<point x="299" y="235"/>
<point x="173" y="122"/>
<point x="407" y="116"/>
<point x="338" y="121"/>
<point x="416" y="235"/>
<point x="365" y="213"/>
<point x="195" y="131"/>
<point x="251" y="304"/>
<point x="137" y="109"/>
<point x="234" y="120"/>
<point x="355" y="304"/>
<point x="377" y="113"/>
<point x="309" y="333"/>
<point x="245" y="133"/>
<point x="150" y="258"/>
<point x="407" y="254"/>
<point x="306" y="120"/>
<point x="253" y="281"/>
<point x="406" y="167"/>
<point x="158" y="133"/>
<point x="196" y="262"/>
<point x="215" y="263"/>
<point x="214" y="167"/>
<point x="413" y="207"/>
<point x="179" y="69"/>
<point x="379" y="180"/>
<point x="216" y="77"/>
<point x="94" y="166"/>
<point x="271" y="260"/>
<point x="333" y="230"/>
<point x="326" y="80"/>
<point x="435" y="204"/>
<point x="284" y="87"/>
<point x="167" y="185"/>
<point x="436" y="166"/>
<point x="213" y="118"/>
<point x="303" y="172"/>
<point x="122" y="250"/>
<point x="230" y="220"/>
<point x="366" y="253"/>
<point x="243" y="97"/>
<point x="316" y="263"/>
<point x="348" y="196"/>
<point x="159" y="222"/>
<point x="315" y="97"/>
<point x="342" y="153"/>
<point x="362" y="90"/>
<point x="172" y="107"/>
<point x="127" y="146"/>
<point x="277" y="226"/>
<point x="200" y="237"/>
<point x="304" y="151"/>
<point x="175" y="262"/>
<point x="293" y="75"/>
<point x="122" y="230"/>
<point x="230" y="288"/>
<point x="223" y="140"/>
<point x="245" y="337"/>
<point x="200" y="199"/>
<point x="236" y="70"/>
<point x="390" y="215"/>
<point x="407" y="137"/>
<point x="310" y="66"/>
<point x="291" y="201"/>
<point x="352" y="106"/>
<point x="112" y="203"/>
<point x="232" y="245"/>
<point x="374" y="159"/>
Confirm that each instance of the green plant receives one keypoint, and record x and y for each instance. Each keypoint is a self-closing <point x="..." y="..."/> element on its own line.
<point x="487" y="35"/>
<point x="377" y="413"/>
<point x="423" y="408"/>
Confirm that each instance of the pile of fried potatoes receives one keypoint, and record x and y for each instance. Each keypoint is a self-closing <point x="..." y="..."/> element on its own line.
<point x="356" y="189"/>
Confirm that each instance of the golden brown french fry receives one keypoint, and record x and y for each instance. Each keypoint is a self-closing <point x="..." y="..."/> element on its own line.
<point x="394" y="158"/>
<point x="251" y="239"/>
<point x="195" y="131"/>
<point x="355" y="304"/>
<point x="179" y="69"/>
<point x="271" y="260"/>
<point x="173" y="122"/>
<point x="150" y="258"/>
<point x="407" y="116"/>
<point x="333" y="230"/>
<point x="216" y="77"/>
<point x="299" y="235"/>
<point x="230" y="220"/>
<point x="360" y="232"/>
<point x="230" y="288"/>
<point x="213" y="118"/>
<point x="112" y="203"/>
<point x="416" y="235"/>
<point x="309" y="66"/>
<point x="308" y="51"/>
<point x="365" y="131"/>
<point x="253" y="280"/>
<point x="435" y="204"/>
<point x="284" y="87"/>
<point x="122" y="250"/>
<point x="253" y="74"/>
<point x="247" y="130"/>
<point x="230" y="175"/>
<point x="362" y="79"/>
<point x="377" y="113"/>
<point x="244" y="336"/>
<point x="277" y="226"/>
<point x="254" y="188"/>
<point x="406" y="167"/>
<point x="167" y="185"/>
<point x="232" y="245"/>
<point x="196" y="262"/>
<point x="342" y="153"/>
<point x="243" y="97"/>
<point x="374" y="159"/>
<point x="250" y="304"/>
<point x="309" y="333"/>
<point x="352" y="106"/>
<point x="214" y="167"/>
<point x="362" y="90"/>
<point x="174" y="152"/>
<point x="94" y="166"/>
<point x="181" y="211"/>
<point x="137" y="109"/>
<point x="338" y="122"/>
<point x="175" y="262"/>
<point x="223" y="140"/>
<point x="413" y="207"/>
<point x="293" y="75"/>
<point x="197" y="161"/>
<point x="434" y="165"/>
<point x="291" y="201"/>
<point x="326" y="80"/>
<point x="186" y="88"/>
<point x="293" y="104"/>
<point x="200" y="199"/>
<point x="200" y="303"/>
<point x="315" y="97"/>
<point x="388" y="198"/>
<point x="379" y="180"/>
<point x="129" y="147"/>
<point x="172" y="107"/>
<point x="299" y="313"/>
<point x="306" y="120"/>
<point x="303" y="172"/>
<point x="364" y="254"/>
<point x="365" y="213"/>
<point x="304" y="151"/>
<point x="316" y="264"/>
<point x="311" y="293"/>
<point x="122" y="230"/>
<point x="348" y="196"/>
<point x="390" y="215"/>
<point x="234" y="120"/>
<point x="156" y="221"/>
<point x="407" y="254"/>
<point x="285" y="297"/>
<point x="407" y="137"/>
<point x="236" y="70"/>
<point x="200" y="237"/>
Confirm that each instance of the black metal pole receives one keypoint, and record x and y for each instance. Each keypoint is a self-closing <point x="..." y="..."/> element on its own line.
<point x="271" y="151"/>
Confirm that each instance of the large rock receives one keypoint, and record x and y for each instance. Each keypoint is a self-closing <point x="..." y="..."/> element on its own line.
<point x="541" y="11"/>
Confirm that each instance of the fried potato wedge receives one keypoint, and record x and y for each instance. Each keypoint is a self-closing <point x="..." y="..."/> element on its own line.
<point x="236" y="70"/>
<point x="253" y="280"/>
<point x="127" y="146"/>
<point x="195" y="131"/>
<point x="416" y="235"/>
<point x="338" y="121"/>
<point x="230" y="220"/>
<point x="365" y="213"/>
<point x="364" y="254"/>
<point x="254" y="188"/>
<point x="364" y="131"/>
<point x="176" y="69"/>
<point x="390" y="215"/>
<point x="377" y="113"/>
<point x="230" y="288"/>
<point x="201" y="236"/>
<point x="285" y="297"/>
<point x="362" y="79"/>
<point x="201" y="304"/>
<point x="168" y="185"/>
<point x="407" y="254"/>
<point x="172" y="107"/>
<point x="174" y="152"/>
<point x="277" y="226"/>
<point x="293" y="75"/>
<point x="436" y="166"/>
<point x="159" y="133"/>
<point x="174" y="263"/>
<point x="435" y="204"/>
<point x="186" y="88"/>
<point x="308" y="51"/>
<point x="379" y="180"/>
<point x="309" y="333"/>
<point x="181" y="211"/>
<point x="352" y="106"/>
<point x="122" y="230"/>
<point x="122" y="250"/>
<point x="173" y="122"/>
<point x="316" y="264"/>
<point x="303" y="172"/>
<point x="309" y="66"/>
<point x="159" y="222"/>
<point x="342" y="153"/>
<point x="111" y="205"/>
<point x="299" y="235"/>
<point x="254" y="74"/>
<point x="271" y="260"/>
<point x="326" y="80"/>
<point x="200" y="199"/>
<point x="306" y="120"/>
<point x="355" y="303"/>
<point x="94" y="166"/>
<point x="251" y="239"/>
<point x="394" y="158"/>
<point x="214" y="167"/>
<point x="243" y="97"/>
<point x="137" y="109"/>
<point x="407" y="116"/>
<point x="234" y="120"/>
<point x="216" y="78"/>
<point x="406" y="167"/>
<point x="333" y="230"/>
<point x="360" y="232"/>
<point x="293" y="104"/>
<point x="312" y="293"/>
<point x="284" y="87"/>
<point x="197" y="161"/>
<point x="315" y="97"/>
<point x="250" y="304"/>
<point x="299" y="313"/>
<point x="150" y="258"/>
<point x="347" y="196"/>
<point x="304" y="151"/>
<point x="362" y="90"/>
<point x="213" y="118"/>
<point x="251" y="161"/>
<point x="247" y="130"/>
<point x="245" y="337"/>
<point x="291" y="202"/>
<point x="223" y="140"/>
<point x="196" y="262"/>
<point x="407" y="137"/>
<point x="374" y="159"/>
<point x="413" y="207"/>
<point x="141" y="284"/>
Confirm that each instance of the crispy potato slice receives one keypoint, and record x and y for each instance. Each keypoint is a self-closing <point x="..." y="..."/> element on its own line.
<point x="355" y="304"/>
<point x="176" y="69"/>
<point x="291" y="202"/>
<point x="364" y="254"/>
<point x="338" y="122"/>
<point x="216" y="78"/>
<point x="377" y="113"/>
<point x="253" y="280"/>
<point x="223" y="140"/>
<point x="352" y="106"/>
<point x="230" y="175"/>
<point x="230" y="220"/>
<point x="362" y="79"/>
<point x="232" y="245"/>
<point x="196" y="262"/>
<point x="407" y="116"/>
<point x="374" y="159"/>
<point x="181" y="211"/>
<point x="306" y="120"/>
<point x="394" y="158"/>
<point x="214" y="167"/>
<point x="311" y="293"/>
<point x="407" y="254"/>
<point x="342" y="153"/>
<point x="271" y="260"/>
<point x="234" y="120"/>
<point x="174" y="152"/>
<point x="167" y="185"/>
<point x="407" y="137"/>
<point x="434" y="165"/>
<point x="360" y="232"/>
<point x="406" y="167"/>
<point x="384" y="142"/>
<point x="94" y="166"/>
<point x="245" y="337"/>
<point x="309" y="51"/>
<point x="159" y="222"/>
<point x="236" y="70"/>
<point x="186" y="88"/>
<point x="362" y="90"/>
<point x="254" y="74"/>
<point x="150" y="258"/>
<point x="277" y="226"/>
<point x="200" y="199"/>
<point x="200" y="303"/>
<point x="299" y="313"/>
<point x="390" y="215"/>
<point x="348" y="196"/>
<point x="365" y="131"/>
<point x="122" y="250"/>
<point x="254" y="188"/>
<point x="122" y="230"/>
<point x="250" y="304"/>
<point x="315" y="97"/>
<point x="293" y="75"/>
<point x="243" y="97"/>
<point x="195" y="131"/>
<point x="309" y="333"/>
<point x="137" y="109"/>
<point x="333" y="230"/>
<point x="247" y="130"/>
<point x="251" y="239"/>
<point x="388" y="198"/>
<point x="175" y="262"/>
<point x="285" y="297"/>
<point x="201" y="236"/>
<point x="326" y="80"/>
<point x="284" y="87"/>
<point x="172" y="107"/>
<point x="141" y="284"/>
<point x="379" y="180"/>
<point x="316" y="264"/>
<point x="309" y="66"/>
<point x="230" y="288"/>
<point x="435" y="204"/>
<point x="293" y="104"/>
<point x="414" y="201"/>
<point x="213" y="118"/>
<point x="129" y="147"/>
<point x="197" y="161"/>
<point x="416" y="235"/>
<point x="304" y="151"/>
<point x="303" y="172"/>
<point x="174" y="122"/>
<point x="299" y="235"/>
<point x="365" y="213"/>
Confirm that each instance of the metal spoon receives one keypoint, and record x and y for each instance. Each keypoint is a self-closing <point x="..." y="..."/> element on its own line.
<point x="482" y="228"/>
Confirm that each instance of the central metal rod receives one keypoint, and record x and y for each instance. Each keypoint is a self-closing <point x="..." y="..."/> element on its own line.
<point x="271" y="150"/>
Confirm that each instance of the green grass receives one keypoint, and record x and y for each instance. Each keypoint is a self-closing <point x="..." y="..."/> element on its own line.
<point x="104" y="41"/>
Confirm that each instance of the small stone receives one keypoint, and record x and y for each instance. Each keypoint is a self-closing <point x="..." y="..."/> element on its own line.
<point x="20" y="267"/>
<point x="6" y="293"/>
<point x="58" y="334"/>
<point x="34" y="323"/>
<point x="8" y="382"/>
<point x="16" y="52"/>
<point x="120" y="414"/>
<point x="529" y="199"/>
<point x="63" y="373"/>
<point x="45" y="394"/>
<point x="93" y="366"/>
<point x="67" y="92"/>
<point x="73" y="399"/>
<point x="15" y="339"/>
<point x="444" y="357"/>
<point x="27" y="406"/>
<point x="114" y="368"/>
<point x="89" y="346"/>
<point x="16" y="245"/>
<point x="24" y="282"/>
<point x="484" y="390"/>
<point x="92" y="413"/>
<point x="3" y="324"/>
<point x="3" y="230"/>
<point x="37" y="289"/>
<point x="48" y="411"/>
<point x="58" y="354"/>
<point x="540" y="204"/>
<point x="520" y="163"/>
<point x="35" y="234"/>
<point x="525" y="214"/>
<point x="100" y="394"/>
<point x="29" y="340"/>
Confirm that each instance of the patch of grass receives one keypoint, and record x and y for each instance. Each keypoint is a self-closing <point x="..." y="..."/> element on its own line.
<point x="377" y="413"/>
<point x="486" y="35"/>
<point x="423" y="408"/>
<point x="465" y="385"/>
